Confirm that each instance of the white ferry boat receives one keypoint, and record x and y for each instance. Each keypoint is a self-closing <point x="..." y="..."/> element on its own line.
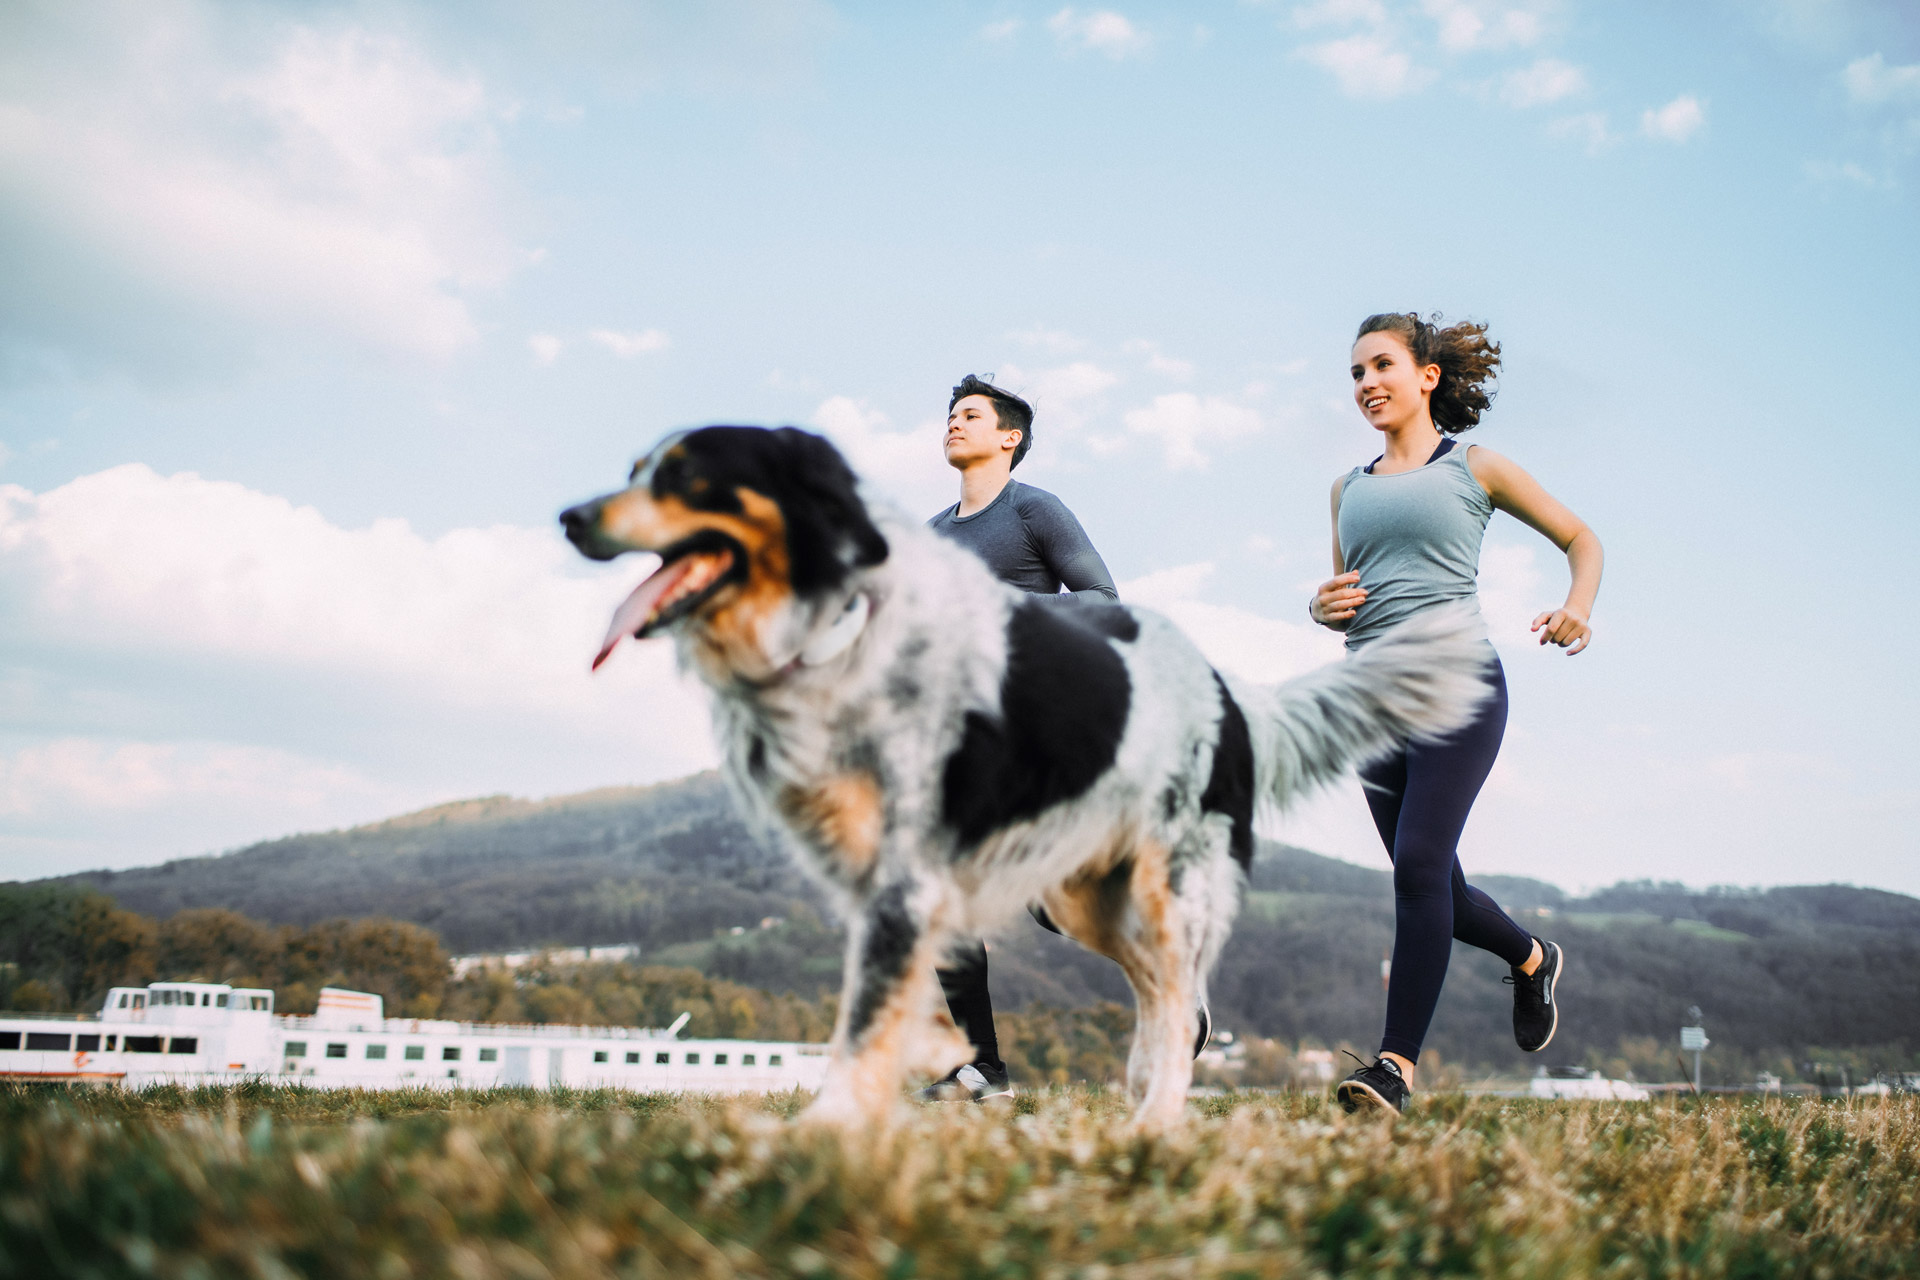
<point x="193" y="1033"/>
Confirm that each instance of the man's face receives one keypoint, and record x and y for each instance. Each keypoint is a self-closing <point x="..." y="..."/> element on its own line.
<point x="974" y="433"/>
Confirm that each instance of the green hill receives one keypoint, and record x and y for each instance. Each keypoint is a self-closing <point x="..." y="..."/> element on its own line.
<point x="1783" y="975"/>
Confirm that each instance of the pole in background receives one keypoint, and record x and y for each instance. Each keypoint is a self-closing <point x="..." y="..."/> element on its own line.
<point x="1694" y="1040"/>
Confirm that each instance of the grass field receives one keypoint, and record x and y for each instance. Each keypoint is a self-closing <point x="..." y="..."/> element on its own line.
<point x="271" y="1182"/>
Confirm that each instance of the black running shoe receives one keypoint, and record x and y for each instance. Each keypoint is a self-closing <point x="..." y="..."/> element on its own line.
<point x="1206" y="1031"/>
<point x="1379" y="1085"/>
<point x="973" y="1082"/>
<point x="1536" y="1007"/>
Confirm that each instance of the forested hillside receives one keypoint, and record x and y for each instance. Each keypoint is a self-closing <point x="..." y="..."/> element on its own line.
<point x="1783" y="976"/>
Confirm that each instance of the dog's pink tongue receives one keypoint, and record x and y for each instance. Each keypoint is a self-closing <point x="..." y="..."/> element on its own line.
<point x="638" y="607"/>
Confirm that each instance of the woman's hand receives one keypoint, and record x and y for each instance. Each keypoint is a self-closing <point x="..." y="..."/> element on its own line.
<point x="1563" y="627"/>
<point x="1337" y="600"/>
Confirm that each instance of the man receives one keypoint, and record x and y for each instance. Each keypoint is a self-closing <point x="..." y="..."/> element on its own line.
<point x="1030" y="541"/>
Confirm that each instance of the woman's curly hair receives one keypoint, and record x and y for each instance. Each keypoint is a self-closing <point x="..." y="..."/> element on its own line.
<point x="1469" y="363"/>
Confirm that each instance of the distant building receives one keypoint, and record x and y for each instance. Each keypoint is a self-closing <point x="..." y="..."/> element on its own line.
<point x="211" y="1033"/>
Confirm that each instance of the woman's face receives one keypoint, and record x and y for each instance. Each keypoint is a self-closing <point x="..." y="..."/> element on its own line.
<point x="1389" y="387"/>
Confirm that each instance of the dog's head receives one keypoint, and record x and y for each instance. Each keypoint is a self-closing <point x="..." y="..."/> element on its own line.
<point x="757" y="532"/>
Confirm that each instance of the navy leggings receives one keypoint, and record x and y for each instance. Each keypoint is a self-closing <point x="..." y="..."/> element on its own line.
<point x="1420" y="797"/>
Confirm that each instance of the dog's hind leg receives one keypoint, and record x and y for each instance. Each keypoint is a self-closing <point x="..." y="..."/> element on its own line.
<point x="1132" y="915"/>
<point x="887" y="1025"/>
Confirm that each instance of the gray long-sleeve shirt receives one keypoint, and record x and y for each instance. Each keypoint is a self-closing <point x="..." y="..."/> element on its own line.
<point x="1031" y="541"/>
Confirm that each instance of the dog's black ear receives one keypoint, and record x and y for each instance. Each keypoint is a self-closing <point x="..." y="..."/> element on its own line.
<point x="829" y="532"/>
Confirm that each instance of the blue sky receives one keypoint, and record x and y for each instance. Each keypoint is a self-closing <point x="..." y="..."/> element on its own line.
<point x="312" y="316"/>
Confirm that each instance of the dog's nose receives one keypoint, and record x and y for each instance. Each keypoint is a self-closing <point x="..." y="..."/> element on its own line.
<point x="577" y="521"/>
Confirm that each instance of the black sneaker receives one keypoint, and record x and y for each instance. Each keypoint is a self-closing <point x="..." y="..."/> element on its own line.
<point x="1536" y="1009"/>
<point x="1379" y="1085"/>
<point x="974" y="1082"/>
<point x="1206" y="1031"/>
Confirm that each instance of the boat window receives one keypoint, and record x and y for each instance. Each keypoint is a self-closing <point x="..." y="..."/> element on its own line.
<point x="86" y="1044"/>
<point x="746" y="1059"/>
<point x="256" y="1002"/>
<point x="296" y="1048"/>
<point x="336" y="1051"/>
<point x="450" y="1053"/>
<point x="184" y="1044"/>
<point x="49" y="1040"/>
<point x="376" y="1052"/>
<point x="144" y="1044"/>
<point x="9" y="1039"/>
<point x="206" y="998"/>
<point x="139" y="1002"/>
<point x="415" y="1052"/>
<point x="719" y="1059"/>
<point x="489" y="1055"/>
<point x="220" y="1003"/>
<point x="773" y="1059"/>
<point x="693" y="1059"/>
<point x="123" y="1001"/>
<point x="633" y="1059"/>
<point x="110" y="1040"/>
<point x="599" y="1055"/>
<point x="661" y="1059"/>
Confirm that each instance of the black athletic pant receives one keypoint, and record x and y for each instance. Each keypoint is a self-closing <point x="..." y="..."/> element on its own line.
<point x="1420" y="798"/>
<point x="964" y="981"/>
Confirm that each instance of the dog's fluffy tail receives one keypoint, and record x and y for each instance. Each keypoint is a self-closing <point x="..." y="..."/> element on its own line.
<point x="1423" y="679"/>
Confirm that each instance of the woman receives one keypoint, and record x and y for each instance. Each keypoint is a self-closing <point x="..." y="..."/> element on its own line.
<point x="1406" y="537"/>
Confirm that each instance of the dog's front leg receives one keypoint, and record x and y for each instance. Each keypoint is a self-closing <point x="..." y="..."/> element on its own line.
<point x="887" y="1025"/>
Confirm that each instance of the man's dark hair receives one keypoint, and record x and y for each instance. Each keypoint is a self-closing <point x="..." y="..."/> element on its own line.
<point x="1014" y="413"/>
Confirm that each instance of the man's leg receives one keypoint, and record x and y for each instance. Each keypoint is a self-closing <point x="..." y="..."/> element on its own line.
<point x="964" y="981"/>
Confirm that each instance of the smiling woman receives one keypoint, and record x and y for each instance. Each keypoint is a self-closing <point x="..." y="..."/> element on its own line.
<point x="1407" y="529"/>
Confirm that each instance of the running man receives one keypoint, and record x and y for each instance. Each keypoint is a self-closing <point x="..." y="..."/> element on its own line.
<point x="1030" y="541"/>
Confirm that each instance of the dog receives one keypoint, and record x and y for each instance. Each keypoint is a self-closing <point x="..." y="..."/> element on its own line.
<point x="942" y="751"/>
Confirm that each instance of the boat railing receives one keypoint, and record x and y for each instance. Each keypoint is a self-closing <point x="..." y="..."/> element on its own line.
<point x="49" y="1017"/>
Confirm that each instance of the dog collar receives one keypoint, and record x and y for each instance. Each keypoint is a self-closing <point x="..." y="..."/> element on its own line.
<point x="839" y="637"/>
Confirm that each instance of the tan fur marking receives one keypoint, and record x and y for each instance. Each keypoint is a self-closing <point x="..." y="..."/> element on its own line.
<point x="844" y="816"/>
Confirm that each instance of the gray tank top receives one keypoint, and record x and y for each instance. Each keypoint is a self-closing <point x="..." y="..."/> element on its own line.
<point x="1415" y="538"/>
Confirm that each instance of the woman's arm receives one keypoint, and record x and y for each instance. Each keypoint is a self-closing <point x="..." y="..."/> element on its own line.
<point x="1338" y="598"/>
<point x="1520" y="495"/>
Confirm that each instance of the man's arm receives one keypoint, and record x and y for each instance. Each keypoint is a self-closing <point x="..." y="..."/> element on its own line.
<point x="1067" y="551"/>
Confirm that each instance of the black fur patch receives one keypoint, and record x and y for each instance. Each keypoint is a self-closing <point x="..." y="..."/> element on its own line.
<point x="1063" y="708"/>
<point x="829" y="532"/>
<point x="1113" y="620"/>
<point x="886" y="949"/>
<point x="1230" y="784"/>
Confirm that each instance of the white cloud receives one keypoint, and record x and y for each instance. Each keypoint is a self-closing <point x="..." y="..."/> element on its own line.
<point x="337" y="180"/>
<point x="1676" y="122"/>
<point x="92" y="774"/>
<point x="1053" y="341"/>
<point x="546" y="348"/>
<point x="1182" y="422"/>
<point x="1341" y="13"/>
<point x="1589" y="128"/>
<point x="272" y="641"/>
<point x="1237" y="640"/>
<point x="1158" y="361"/>
<point x="907" y="468"/>
<point x="1101" y="31"/>
<point x="1060" y="395"/>
<point x="1368" y="66"/>
<point x="1871" y="81"/>
<point x="628" y="345"/>
<point x="1474" y="24"/>
<point x="1547" y="80"/>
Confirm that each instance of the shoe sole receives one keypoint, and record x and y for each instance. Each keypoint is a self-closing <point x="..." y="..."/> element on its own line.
<point x="1353" y="1095"/>
<point x="1553" y="997"/>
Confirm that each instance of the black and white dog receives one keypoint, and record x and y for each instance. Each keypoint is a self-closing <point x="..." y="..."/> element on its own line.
<point x="943" y="750"/>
